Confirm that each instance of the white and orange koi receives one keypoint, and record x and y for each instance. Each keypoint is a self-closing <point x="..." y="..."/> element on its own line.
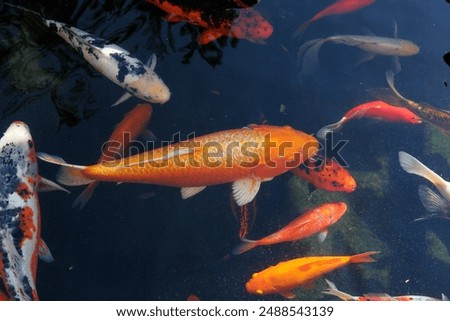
<point x="20" y="226"/>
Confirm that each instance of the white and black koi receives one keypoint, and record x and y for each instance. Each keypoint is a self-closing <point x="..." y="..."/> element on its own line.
<point x="20" y="240"/>
<point x="114" y="62"/>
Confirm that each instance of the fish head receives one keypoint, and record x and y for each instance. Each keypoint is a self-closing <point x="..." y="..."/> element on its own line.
<point x="18" y="146"/>
<point x="150" y="88"/>
<point x="334" y="210"/>
<point x="284" y="144"/>
<point x="259" y="285"/>
<point x="408" y="48"/>
<point x="250" y="25"/>
<point x="337" y="177"/>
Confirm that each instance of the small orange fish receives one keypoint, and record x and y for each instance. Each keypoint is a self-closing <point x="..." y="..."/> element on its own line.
<point x="246" y="157"/>
<point x="131" y="126"/>
<point x="339" y="7"/>
<point x="244" y="23"/>
<point x="192" y="297"/>
<point x="326" y="175"/>
<point x="316" y="220"/>
<point x="288" y="275"/>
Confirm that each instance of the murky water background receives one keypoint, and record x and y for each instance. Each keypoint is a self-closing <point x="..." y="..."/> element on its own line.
<point x="125" y="247"/>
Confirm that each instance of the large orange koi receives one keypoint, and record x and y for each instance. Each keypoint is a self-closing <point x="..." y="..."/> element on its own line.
<point x="288" y="275"/>
<point x="246" y="157"/>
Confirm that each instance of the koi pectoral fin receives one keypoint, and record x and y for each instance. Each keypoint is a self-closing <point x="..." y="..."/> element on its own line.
<point x="46" y="185"/>
<point x="44" y="252"/>
<point x="122" y="98"/>
<point x="187" y="192"/>
<point x="245" y="190"/>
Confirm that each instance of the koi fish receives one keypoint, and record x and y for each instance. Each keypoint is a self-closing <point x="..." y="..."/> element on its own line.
<point x="114" y="62"/>
<point x="20" y="225"/>
<point x="372" y="45"/>
<point x="241" y="156"/>
<point x="375" y="110"/>
<point x="435" y="116"/>
<point x="333" y="290"/>
<point x="435" y="204"/>
<point x="339" y="7"/>
<point x="414" y="166"/>
<point x="326" y="175"/>
<point x="245" y="23"/>
<point x="316" y="220"/>
<point x="132" y="125"/>
<point x="289" y="275"/>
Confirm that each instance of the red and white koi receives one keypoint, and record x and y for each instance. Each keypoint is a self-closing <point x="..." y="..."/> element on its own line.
<point x="20" y="226"/>
<point x="333" y="290"/>
<point x="114" y="62"/>
<point x="378" y="110"/>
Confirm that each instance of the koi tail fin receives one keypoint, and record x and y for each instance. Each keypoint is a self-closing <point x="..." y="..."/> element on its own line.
<point x="322" y="133"/>
<point x="432" y="201"/>
<point x="245" y="246"/>
<point x="85" y="196"/>
<point x="333" y="290"/>
<point x="301" y="30"/>
<point x="390" y="80"/>
<point x="70" y="175"/>
<point x="310" y="53"/>
<point x="414" y="166"/>
<point x="363" y="257"/>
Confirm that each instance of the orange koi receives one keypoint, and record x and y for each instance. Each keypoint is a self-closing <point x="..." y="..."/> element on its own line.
<point x="132" y="125"/>
<point x="316" y="220"/>
<point x="246" y="157"/>
<point x="339" y="7"/>
<point x="192" y="297"/>
<point x="333" y="290"/>
<point x="375" y="110"/>
<point x="244" y="23"/>
<point x="286" y="276"/>
<point x="326" y="175"/>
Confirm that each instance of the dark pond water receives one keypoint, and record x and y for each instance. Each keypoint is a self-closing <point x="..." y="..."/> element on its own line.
<point x="123" y="246"/>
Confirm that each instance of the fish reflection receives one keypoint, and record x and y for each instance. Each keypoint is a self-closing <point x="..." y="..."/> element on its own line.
<point x="244" y="23"/>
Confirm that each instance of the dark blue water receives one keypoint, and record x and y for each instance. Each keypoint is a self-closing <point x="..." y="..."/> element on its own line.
<point x="125" y="247"/>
